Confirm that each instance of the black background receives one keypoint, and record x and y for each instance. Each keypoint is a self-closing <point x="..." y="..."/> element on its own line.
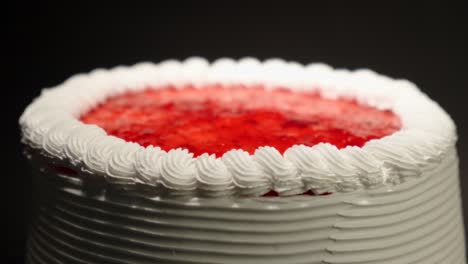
<point x="425" y="43"/>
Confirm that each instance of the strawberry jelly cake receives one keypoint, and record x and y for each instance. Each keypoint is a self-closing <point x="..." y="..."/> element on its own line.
<point x="241" y="162"/>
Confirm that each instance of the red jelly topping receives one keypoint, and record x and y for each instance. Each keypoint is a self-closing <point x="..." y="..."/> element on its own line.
<point x="63" y="170"/>
<point x="216" y="119"/>
<point x="275" y="194"/>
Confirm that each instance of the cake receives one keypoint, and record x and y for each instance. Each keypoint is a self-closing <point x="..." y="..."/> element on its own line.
<point x="241" y="162"/>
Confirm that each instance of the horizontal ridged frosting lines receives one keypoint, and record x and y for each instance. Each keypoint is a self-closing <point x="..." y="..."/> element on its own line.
<point x="400" y="224"/>
<point x="406" y="225"/>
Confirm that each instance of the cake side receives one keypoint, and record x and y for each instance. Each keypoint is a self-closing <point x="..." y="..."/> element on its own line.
<point x="417" y="221"/>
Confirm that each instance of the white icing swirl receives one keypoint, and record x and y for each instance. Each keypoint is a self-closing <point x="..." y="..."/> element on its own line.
<point x="56" y="138"/>
<point x="120" y="167"/>
<point x="168" y="72"/>
<point x="77" y="142"/>
<point x="99" y="151"/>
<point x="391" y="152"/>
<point x="223" y="71"/>
<point x="366" y="165"/>
<point x="347" y="176"/>
<point x="148" y="165"/>
<point x="247" y="175"/>
<point x="39" y="107"/>
<point x="213" y="176"/>
<point x="194" y="72"/>
<point x="178" y="170"/>
<point x="248" y="69"/>
<point x="38" y="125"/>
<point x="315" y="173"/>
<point x="424" y="147"/>
<point x="286" y="179"/>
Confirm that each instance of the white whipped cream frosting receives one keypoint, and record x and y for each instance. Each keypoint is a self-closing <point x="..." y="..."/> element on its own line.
<point x="98" y="155"/>
<point x="147" y="164"/>
<point x="248" y="178"/>
<point x="75" y="146"/>
<point x="178" y="170"/>
<point x="50" y="125"/>
<point x="212" y="175"/>
<point x="285" y="176"/>
<point x="120" y="167"/>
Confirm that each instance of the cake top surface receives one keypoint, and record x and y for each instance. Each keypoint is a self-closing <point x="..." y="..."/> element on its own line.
<point x="216" y="119"/>
<point x="272" y="126"/>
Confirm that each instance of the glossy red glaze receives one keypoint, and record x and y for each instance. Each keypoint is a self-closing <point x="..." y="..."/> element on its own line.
<point x="217" y="119"/>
